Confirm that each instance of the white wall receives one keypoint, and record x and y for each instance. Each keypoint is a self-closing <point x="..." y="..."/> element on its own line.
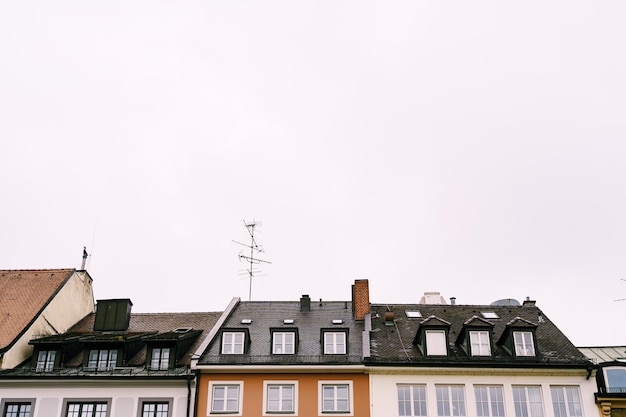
<point x="124" y="395"/>
<point x="384" y="397"/>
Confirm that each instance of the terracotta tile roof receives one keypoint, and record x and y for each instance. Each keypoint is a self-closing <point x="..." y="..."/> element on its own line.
<point x="23" y="294"/>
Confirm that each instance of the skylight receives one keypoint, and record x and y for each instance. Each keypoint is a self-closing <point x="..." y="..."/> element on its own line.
<point x="337" y="321"/>
<point x="489" y="315"/>
<point x="183" y="330"/>
<point x="246" y="321"/>
<point x="413" y="314"/>
<point x="288" y="321"/>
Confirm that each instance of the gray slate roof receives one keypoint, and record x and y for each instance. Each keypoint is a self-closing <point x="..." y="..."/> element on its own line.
<point x="266" y="315"/>
<point x="393" y="342"/>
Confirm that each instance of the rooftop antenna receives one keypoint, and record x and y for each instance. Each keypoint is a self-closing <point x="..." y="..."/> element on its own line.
<point x="254" y="249"/>
<point x="621" y="299"/>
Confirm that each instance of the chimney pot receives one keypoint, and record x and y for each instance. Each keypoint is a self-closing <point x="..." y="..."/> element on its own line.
<point x="452" y="300"/>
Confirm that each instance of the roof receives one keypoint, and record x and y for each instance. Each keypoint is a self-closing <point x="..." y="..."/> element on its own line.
<point x="599" y="354"/>
<point x="149" y="325"/>
<point x="266" y="316"/>
<point x="24" y="294"/>
<point x="393" y="341"/>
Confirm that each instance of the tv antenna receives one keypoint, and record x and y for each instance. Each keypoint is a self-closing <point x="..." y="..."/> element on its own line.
<point x="251" y="259"/>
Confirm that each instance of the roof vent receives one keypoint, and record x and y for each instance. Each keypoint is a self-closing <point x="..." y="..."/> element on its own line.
<point x="112" y="314"/>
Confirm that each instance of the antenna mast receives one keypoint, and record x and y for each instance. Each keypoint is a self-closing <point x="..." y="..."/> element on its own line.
<point x="254" y="248"/>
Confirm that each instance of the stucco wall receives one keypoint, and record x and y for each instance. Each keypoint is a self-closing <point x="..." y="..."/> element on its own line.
<point x="73" y="302"/>
<point x="385" y="397"/>
<point x="308" y="392"/>
<point x="125" y="396"/>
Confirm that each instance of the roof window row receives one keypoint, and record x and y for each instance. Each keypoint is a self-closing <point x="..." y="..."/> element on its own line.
<point x="283" y="341"/>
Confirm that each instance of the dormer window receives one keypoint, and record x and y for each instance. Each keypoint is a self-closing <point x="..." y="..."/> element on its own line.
<point x="436" y="344"/>
<point x="524" y="345"/>
<point x="283" y="342"/>
<point x="46" y="360"/>
<point x="160" y="358"/>
<point x="432" y="336"/>
<point x="334" y="342"/>
<point x="102" y="358"/>
<point x="480" y="345"/>
<point x="233" y="343"/>
<point x="615" y="379"/>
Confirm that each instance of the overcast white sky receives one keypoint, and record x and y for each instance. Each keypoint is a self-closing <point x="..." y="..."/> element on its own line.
<point x="471" y="148"/>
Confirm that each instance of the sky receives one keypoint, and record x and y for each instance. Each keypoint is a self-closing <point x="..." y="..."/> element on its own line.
<point x="471" y="148"/>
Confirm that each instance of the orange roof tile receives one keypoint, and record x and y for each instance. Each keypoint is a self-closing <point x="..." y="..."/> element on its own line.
<point x="23" y="294"/>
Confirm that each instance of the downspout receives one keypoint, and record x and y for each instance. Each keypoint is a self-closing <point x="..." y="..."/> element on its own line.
<point x="195" y="400"/>
<point x="189" y="377"/>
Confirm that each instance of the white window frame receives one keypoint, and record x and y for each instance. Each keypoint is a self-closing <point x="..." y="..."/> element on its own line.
<point x="436" y="342"/>
<point x="106" y="358"/>
<point x="451" y="400"/>
<point x="524" y="343"/>
<point x="266" y="389"/>
<point x="67" y="402"/>
<point x="45" y="360"/>
<point x="615" y="389"/>
<point x="566" y="401"/>
<point x="233" y="346"/>
<point x="493" y="397"/>
<point x="280" y="348"/>
<point x="527" y="406"/>
<point x="218" y="384"/>
<point x="340" y="383"/>
<point x="412" y="399"/>
<point x="480" y="342"/>
<point x="155" y="401"/>
<point x="161" y="361"/>
<point x="333" y="345"/>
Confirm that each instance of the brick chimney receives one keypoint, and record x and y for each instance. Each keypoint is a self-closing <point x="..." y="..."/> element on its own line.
<point x="360" y="298"/>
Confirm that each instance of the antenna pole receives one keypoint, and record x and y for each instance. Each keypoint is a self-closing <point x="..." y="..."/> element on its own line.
<point x="252" y="260"/>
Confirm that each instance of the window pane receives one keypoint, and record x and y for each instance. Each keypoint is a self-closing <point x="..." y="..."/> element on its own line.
<point x="436" y="342"/>
<point x="616" y="380"/>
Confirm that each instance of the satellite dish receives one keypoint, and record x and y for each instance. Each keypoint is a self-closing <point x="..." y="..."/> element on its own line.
<point x="506" y="302"/>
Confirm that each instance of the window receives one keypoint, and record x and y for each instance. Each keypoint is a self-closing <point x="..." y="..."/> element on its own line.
<point x="412" y="400"/>
<point x="155" y="409"/>
<point x="283" y="343"/>
<point x="335" y="343"/>
<point x="566" y="401"/>
<point x="436" y="342"/>
<point x="524" y="345"/>
<point x="226" y="397"/>
<point x="102" y="358"/>
<point x="86" y="409"/>
<point x="335" y="397"/>
<point x="450" y="400"/>
<point x="17" y="409"/>
<point x="280" y="397"/>
<point x="45" y="360"/>
<point x="160" y="358"/>
<point x="479" y="343"/>
<point x="232" y="342"/>
<point x="489" y="315"/>
<point x="489" y="401"/>
<point x="615" y="378"/>
<point x="527" y="402"/>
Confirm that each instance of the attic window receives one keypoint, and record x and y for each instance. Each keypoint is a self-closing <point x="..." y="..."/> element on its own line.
<point x="337" y="321"/>
<point x="489" y="315"/>
<point x="413" y="314"/>
<point x="183" y="330"/>
<point x="246" y="321"/>
<point x="288" y="321"/>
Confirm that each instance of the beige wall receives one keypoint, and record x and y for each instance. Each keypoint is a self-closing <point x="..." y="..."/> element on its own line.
<point x="73" y="302"/>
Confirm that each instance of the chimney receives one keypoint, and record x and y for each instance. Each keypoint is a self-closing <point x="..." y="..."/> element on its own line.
<point x="305" y="303"/>
<point x="85" y="254"/>
<point x="112" y="315"/>
<point x="528" y="302"/>
<point x="360" y="298"/>
<point x="452" y="300"/>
